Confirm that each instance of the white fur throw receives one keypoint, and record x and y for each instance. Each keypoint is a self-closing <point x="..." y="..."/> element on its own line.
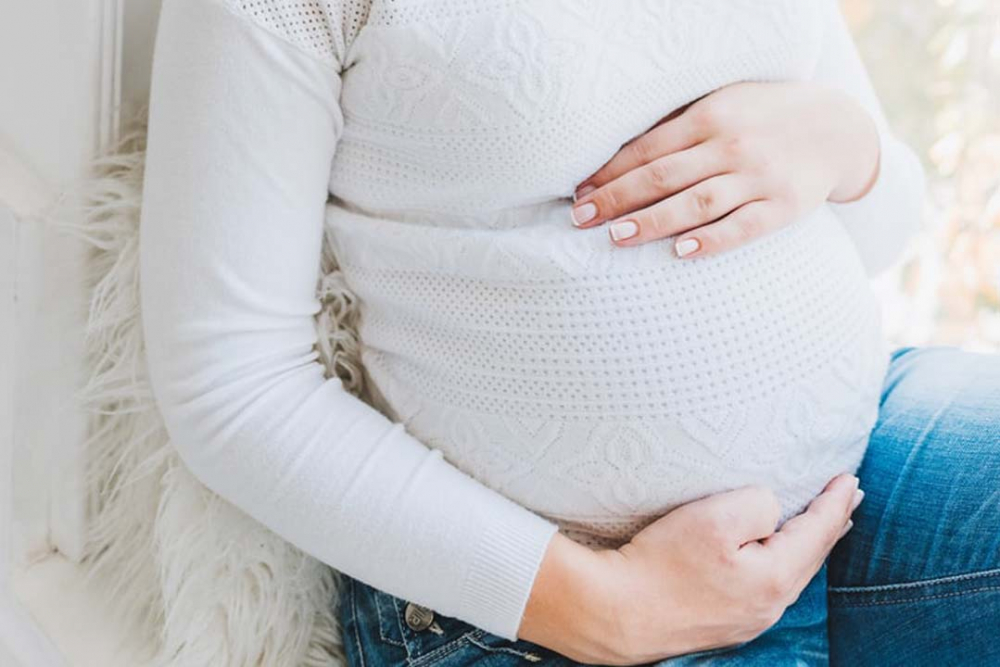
<point x="191" y="576"/>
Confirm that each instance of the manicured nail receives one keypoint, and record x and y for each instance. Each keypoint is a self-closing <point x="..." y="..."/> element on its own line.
<point x="625" y="229"/>
<point x="584" y="213"/>
<point x="847" y="527"/>
<point x="687" y="246"/>
<point x="583" y="192"/>
<point x="859" y="495"/>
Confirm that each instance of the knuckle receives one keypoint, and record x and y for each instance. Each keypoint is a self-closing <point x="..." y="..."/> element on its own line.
<point x="659" y="174"/>
<point x="716" y="528"/>
<point x="642" y="150"/>
<point x="658" y="223"/>
<point x="724" y="557"/>
<point x="708" y="116"/>
<point x="600" y="177"/>
<point x="703" y="202"/>
<point x="609" y="201"/>
<point x="735" y="148"/>
<point x="751" y="226"/>
<point x="742" y="230"/>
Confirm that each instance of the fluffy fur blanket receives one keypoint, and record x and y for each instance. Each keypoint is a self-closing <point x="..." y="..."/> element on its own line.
<point x="191" y="576"/>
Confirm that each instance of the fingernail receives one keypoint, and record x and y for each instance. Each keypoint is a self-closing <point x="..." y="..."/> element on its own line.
<point x="847" y="527"/>
<point x="687" y="246"/>
<point x="583" y="191"/>
<point x="625" y="229"/>
<point x="584" y="213"/>
<point x="859" y="495"/>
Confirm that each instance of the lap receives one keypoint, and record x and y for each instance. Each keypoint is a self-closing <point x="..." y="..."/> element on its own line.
<point x="798" y="639"/>
<point x="375" y="631"/>
<point x="917" y="581"/>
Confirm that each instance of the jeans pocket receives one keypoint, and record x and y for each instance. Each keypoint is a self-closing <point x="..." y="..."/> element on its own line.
<point x="431" y="638"/>
<point x="390" y="630"/>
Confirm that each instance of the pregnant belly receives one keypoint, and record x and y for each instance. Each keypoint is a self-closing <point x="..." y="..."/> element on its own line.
<point x="603" y="386"/>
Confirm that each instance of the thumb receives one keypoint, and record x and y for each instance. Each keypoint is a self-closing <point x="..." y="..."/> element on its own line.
<point x="804" y="541"/>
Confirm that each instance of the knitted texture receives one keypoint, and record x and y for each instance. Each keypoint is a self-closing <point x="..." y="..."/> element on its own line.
<point x="603" y="386"/>
<point x="599" y="386"/>
<point x="530" y="377"/>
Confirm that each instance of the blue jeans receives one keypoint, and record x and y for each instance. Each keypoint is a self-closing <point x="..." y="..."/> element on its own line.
<point x="916" y="582"/>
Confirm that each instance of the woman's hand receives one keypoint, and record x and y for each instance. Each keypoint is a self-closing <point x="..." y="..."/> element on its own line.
<point x="741" y="162"/>
<point x="711" y="573"/>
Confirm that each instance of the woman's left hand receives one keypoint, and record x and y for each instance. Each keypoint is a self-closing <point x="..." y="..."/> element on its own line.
<point x="745" y="160"/>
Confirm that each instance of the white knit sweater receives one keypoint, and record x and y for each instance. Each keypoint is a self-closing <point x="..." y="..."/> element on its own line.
<point x="541" y="377"/>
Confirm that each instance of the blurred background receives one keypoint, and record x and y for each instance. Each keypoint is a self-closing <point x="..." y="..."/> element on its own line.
<point x="936" y="65"/>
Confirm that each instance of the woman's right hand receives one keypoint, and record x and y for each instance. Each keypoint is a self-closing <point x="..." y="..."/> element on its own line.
<point x="710" y="573"/>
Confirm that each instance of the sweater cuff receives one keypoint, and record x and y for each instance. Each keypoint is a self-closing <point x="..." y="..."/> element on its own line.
<point x="503" y="569"/>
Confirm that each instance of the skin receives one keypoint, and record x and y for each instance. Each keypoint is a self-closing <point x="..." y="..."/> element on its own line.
<point x="734" y="165"/>
<point x="711" y="573"/>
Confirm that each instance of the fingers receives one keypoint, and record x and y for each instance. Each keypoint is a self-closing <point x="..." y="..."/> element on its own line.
<point x="804" y="541"/>
<point x="647" y="184"/>
<point x="736" y="517"/>
<point x="698" y="205"/>
<point x="671" y="136"/>
<point x="748" y="222"/>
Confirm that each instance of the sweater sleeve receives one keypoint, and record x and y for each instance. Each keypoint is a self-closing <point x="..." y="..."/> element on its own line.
<point x="244" y="122"/>
<point x="887" y="216"/>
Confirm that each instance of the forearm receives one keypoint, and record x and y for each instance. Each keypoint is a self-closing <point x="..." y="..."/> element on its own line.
<point x="572" y="606"/>
<point x="231" y="236"/>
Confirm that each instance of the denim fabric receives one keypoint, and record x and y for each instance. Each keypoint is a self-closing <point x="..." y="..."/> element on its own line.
<point x="916" y="582"/>
<point x="375" y="634"/>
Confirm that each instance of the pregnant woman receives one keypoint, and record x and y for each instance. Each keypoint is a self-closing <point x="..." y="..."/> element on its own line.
<point x="612" y="262"/>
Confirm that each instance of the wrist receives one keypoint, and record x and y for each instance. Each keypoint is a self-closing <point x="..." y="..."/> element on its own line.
<point x="572" y="607"/>
<point x="861" y="148"/>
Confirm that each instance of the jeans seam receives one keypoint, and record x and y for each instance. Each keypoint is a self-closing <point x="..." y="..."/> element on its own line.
<point x="354" y="622"/>
<point x="402" y="633"/>
<point x="916" y="584"/>
<point x="922" y="598"/>
<point x="382" y="636"/>
<point x="441" y="651"/>
<point x="493" y="649"/>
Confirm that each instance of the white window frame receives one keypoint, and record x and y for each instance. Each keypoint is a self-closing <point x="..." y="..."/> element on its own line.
<point x="64" y="75"/>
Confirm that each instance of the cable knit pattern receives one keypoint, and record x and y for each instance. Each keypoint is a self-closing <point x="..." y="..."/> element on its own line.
<point x="536" y="377"/>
